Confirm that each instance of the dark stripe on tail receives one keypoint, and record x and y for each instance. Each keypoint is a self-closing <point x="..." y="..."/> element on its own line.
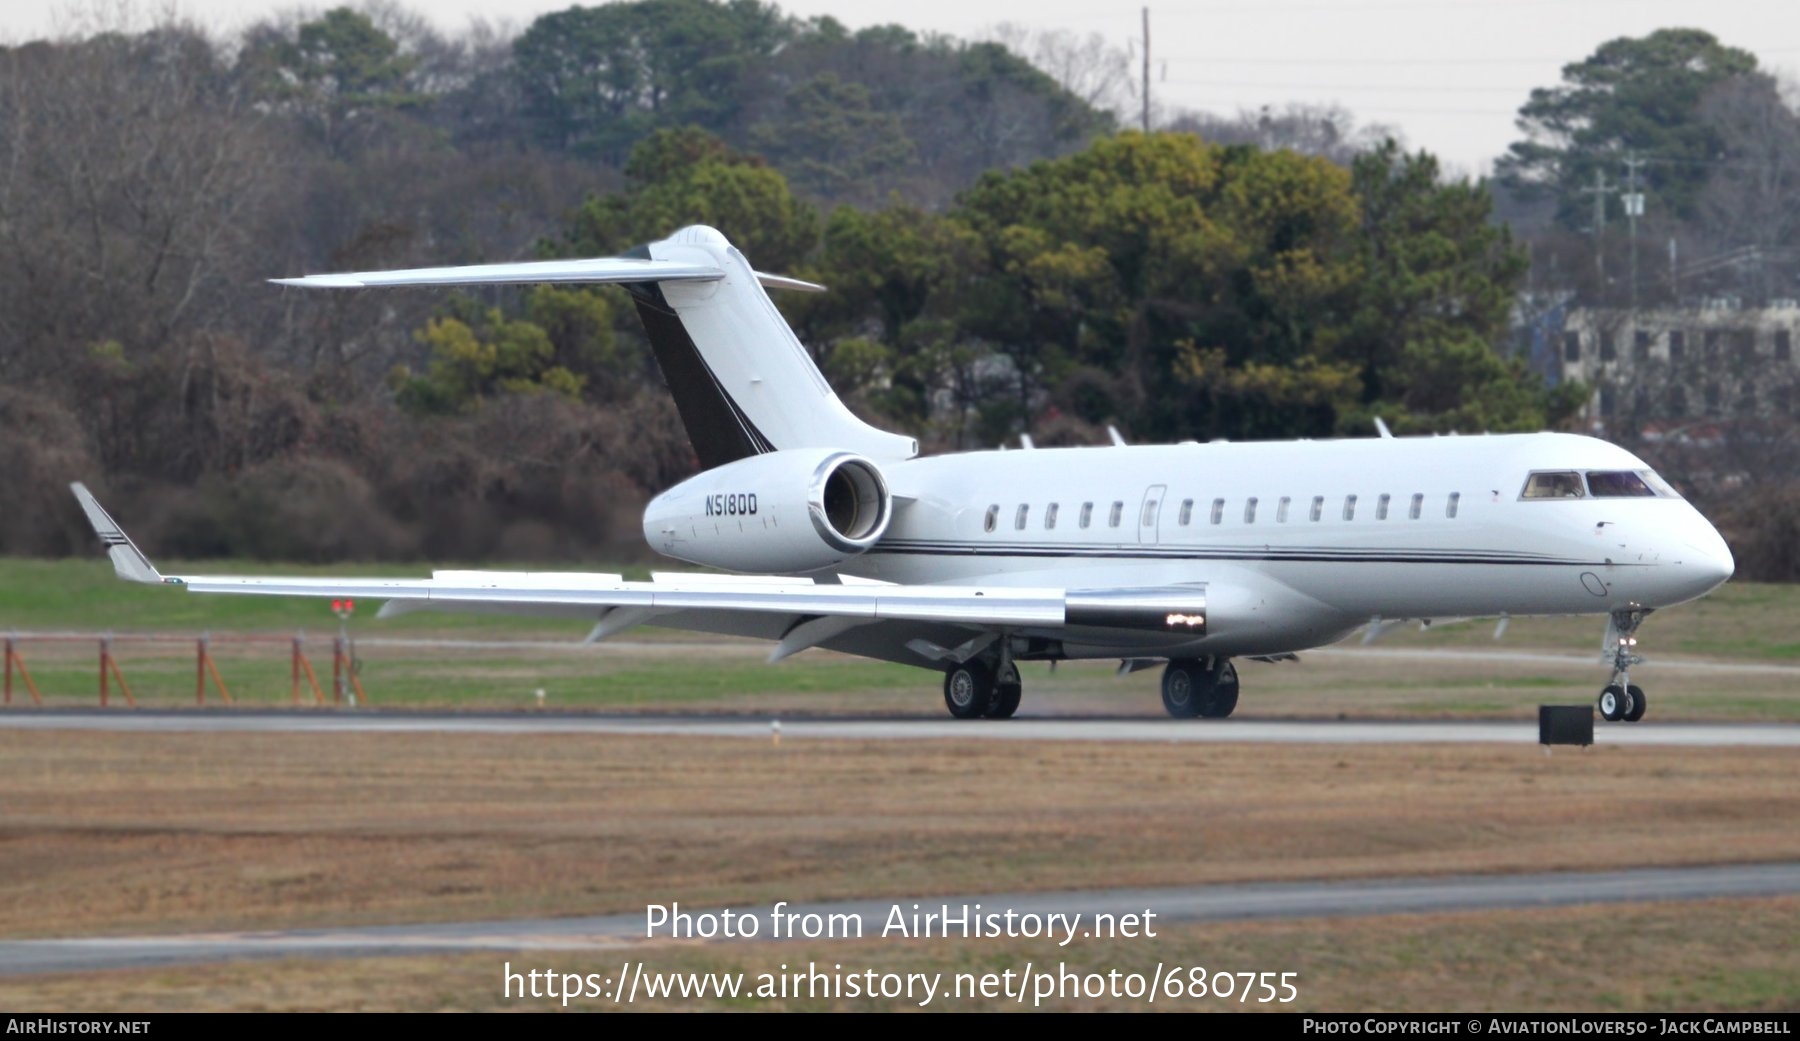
<point x="720" y="431"/>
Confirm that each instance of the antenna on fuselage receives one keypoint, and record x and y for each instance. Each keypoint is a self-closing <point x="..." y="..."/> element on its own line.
<point x="1118" y="439"/>
<point x="1381" y="428"/>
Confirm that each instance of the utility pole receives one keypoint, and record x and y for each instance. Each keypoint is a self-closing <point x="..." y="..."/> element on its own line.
<point x="1598" y="191"/>
<point x="1146" y="70"/>
<point x="1634" y="208"/>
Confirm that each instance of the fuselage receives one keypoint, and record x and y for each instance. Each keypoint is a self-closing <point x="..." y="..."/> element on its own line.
<point x="1300" y="542"/>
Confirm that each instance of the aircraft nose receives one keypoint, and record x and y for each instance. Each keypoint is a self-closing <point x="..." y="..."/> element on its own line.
<point x="1706" y="561"/>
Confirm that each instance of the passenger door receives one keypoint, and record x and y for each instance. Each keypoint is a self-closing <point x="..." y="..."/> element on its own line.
<point x="1150" y="513"/>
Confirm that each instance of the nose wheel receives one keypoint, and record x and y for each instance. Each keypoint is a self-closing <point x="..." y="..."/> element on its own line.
<point x="1623" y="701"/>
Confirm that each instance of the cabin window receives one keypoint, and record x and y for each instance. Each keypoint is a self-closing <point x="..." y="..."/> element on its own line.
<point x="993" y="518"/>
<point x="1218" y="510"/>
<point x="1552" y="484"/>
<point x="1019" y="517"/>
<point x="1450" y="507"/>
<point x="1418" y="505"/>
<point x="1318" y="507"/>
<point x="1281" y="510"/>
<point x="1147" y="518"/>
<point x="1349" y="507"/>
<point x="1087" y="514"/>
<point x="1618" y="484"/>
<point x="1187" y="512"/>
<point x="1050" y="517"/>
<point x="1250" y="510"/>
<point x="1118" y="513"/>
<point x="1381" y="506"/>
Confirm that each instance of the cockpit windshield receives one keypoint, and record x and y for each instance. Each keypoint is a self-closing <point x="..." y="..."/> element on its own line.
<point x="1598" y="484"/>
<point x="1553" y="484"/>
<point x="1618" y="484"/>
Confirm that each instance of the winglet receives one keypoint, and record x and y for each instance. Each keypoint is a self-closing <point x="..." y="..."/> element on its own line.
<point x="127" y="560"/>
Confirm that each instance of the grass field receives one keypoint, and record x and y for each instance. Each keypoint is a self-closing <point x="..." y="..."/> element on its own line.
<point x="110" y="833"/>
<point x="652" y="669"/>
<point x="135" y="833"/>
<point x="1736" y="955"/>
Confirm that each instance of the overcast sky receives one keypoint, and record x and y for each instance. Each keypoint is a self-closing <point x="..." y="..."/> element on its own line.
<point x="1448" y="73"/>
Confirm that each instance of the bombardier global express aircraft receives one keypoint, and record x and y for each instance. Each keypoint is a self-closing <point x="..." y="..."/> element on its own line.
<point x="840" y="535"/>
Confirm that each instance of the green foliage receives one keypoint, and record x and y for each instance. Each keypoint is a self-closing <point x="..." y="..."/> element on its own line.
<point x="680" y="177"/>
<point x="1437" y="281"/>
<point x="493" y="355"/>
<point x="334" y="70"/>
<point x="1161" y="259"/>
<point x="1189" y="290"/>
<point x="597" y="79"/>
<point x="1631" y="95"/>
<point x="834" y="141"/>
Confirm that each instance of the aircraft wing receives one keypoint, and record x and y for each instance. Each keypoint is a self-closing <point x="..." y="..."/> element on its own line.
<point x="798" y="612"/>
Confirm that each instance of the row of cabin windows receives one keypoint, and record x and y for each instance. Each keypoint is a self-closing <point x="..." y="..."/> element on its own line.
<point x="1185" y="517"/>
<point x="1742" y="342"/>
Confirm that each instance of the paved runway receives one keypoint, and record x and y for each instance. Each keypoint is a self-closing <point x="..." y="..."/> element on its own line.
<point x="865" y="728"/>
<point x="1183" y="904"/>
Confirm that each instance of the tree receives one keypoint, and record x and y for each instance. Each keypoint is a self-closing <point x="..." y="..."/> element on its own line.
<point x="680" y="177"/>
<point x="832" y="142"/>
<point x="334" y="73"/>
<point x="486" y="356"/>
<point x="1437" y="285"/>
<point x="597" y="79"/>
<point x="1752" y="198"/>
<point x="1630" y="95"/>
<point x="1160" y="258"/>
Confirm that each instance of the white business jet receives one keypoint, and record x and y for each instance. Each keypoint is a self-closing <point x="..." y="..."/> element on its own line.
<point x="841" y="536"/>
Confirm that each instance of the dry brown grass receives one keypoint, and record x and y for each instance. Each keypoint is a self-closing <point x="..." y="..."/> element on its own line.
<point x="113" y="833"/>
<point x="1718" y="955"/>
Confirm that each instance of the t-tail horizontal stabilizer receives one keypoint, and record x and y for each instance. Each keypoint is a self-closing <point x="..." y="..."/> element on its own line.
<point x="742" y="382"/>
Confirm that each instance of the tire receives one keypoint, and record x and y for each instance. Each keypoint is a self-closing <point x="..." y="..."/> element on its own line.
<point x="1612" y="704"/>
<point x="1635" y="694"/>
<point x="1183" y="686"/>
<point x="969" y="690"/>
<point x="1222" y="699"/>
<point x="1008" y="692"/>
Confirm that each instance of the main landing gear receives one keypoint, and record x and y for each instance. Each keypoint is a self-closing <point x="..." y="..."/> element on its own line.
<point x="1204" y="687"/>
<point x="976" y="690"/>
<point x="1623" y="700"/>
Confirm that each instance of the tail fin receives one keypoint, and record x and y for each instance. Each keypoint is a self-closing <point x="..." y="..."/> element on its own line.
<point x="741" y="380"/>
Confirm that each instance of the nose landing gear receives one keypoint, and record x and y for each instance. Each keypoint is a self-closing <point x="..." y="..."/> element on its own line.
<point x="1623" y="700"/>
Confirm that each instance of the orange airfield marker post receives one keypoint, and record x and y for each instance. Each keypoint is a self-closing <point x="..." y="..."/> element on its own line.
<point x="110" y="664"/>
<point x="203" y="665"/>
<point x="13" y="658"/>
<point x="300" y="663"/>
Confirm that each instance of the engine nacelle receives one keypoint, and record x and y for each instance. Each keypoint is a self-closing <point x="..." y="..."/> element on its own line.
<point x="796" y="510"/>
